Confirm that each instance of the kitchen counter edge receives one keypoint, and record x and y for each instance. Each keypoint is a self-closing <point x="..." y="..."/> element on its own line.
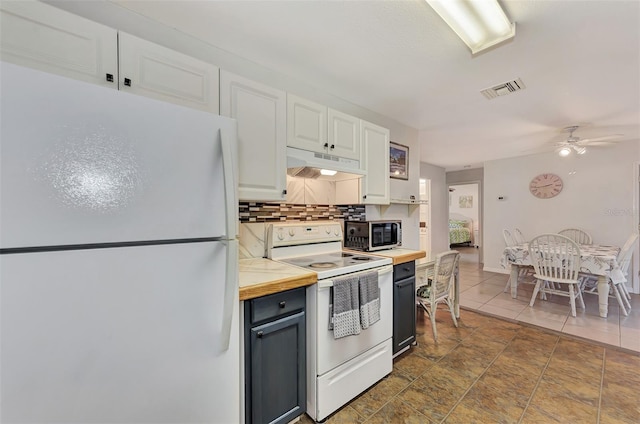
<point x="401" y="256"/>
<point x="260" y="277"/>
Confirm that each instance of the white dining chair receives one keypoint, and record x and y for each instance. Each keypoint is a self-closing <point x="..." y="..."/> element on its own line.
<point x="577" y="235"/>
<point x="556" y="259"/>
<point x="617" y="287"/>
<point x="524" y="273"/>
<point x="508" y="238"/>
<point x="435" y="287"/>
<point x="624" y="261"/>
<point x="518" y="237"/>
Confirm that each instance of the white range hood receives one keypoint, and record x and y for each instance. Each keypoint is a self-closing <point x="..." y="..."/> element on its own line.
<point x="307" y="164"/>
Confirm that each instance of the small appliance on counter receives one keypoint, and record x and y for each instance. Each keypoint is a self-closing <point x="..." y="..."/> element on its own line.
<point x="369" y="236"/>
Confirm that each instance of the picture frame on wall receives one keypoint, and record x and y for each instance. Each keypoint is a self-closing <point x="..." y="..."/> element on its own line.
<point x="398" y="161"/>
<point x="465" y="201"/>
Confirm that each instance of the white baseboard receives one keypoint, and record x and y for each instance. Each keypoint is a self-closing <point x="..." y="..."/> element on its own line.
<point x="498" y="270"/>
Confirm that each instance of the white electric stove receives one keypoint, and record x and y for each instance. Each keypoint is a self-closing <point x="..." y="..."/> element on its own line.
<point x="338" y="370"/>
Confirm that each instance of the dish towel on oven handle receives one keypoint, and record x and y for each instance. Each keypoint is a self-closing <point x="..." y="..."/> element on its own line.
<point x="369" y="299"/>
<point x="346" y="312"/>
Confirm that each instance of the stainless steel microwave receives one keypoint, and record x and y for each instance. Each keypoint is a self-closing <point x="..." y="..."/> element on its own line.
<point x="372" y="235"/>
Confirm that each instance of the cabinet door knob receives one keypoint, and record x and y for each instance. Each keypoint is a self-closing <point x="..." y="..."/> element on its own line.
<point x="284" y="191"/>
<point x="109" y="77"/>
<point x="127" y="82"/>
<point x="333" y="146"/>
<point x="260" y="333"/>
<point x="326" y="144"/>
<point x="282" y="304"/>
<point x="364" y="197"/>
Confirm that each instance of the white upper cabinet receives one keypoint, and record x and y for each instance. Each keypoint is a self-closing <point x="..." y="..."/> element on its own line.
<point x="306" y="124"/>
<point x="375" y="160"/>
<point x="317" y="128"/>
<point x="261" y="114"/>
<point x="151" y="70"/>
<point x="344" y="135"/>
<point x="40" y="36"/>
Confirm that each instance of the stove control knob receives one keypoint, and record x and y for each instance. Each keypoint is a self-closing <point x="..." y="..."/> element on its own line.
<point x="292" y="231"/>
<point x="327" y="229"/>
<point x="336" y="231"/>
<point x="280" y="234"/>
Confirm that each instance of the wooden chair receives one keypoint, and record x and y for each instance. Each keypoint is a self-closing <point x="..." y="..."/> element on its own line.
<point x="436" y="287"/>
<point x="556" y="259"/>
<point x="617" y="287"/>
<point x="577" y="235"/>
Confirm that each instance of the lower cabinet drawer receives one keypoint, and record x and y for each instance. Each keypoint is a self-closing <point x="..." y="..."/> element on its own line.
<point x="277" y="304"/>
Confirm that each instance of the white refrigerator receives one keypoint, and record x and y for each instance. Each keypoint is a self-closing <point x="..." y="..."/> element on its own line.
<point x="118" y="261"/>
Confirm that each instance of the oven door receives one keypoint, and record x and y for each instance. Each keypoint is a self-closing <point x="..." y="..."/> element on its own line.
<point x="329" y="352"/>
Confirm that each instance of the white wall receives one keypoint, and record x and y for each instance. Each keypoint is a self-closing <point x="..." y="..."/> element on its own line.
<point x="439" y="206"/>
<point x="597" y="197"/>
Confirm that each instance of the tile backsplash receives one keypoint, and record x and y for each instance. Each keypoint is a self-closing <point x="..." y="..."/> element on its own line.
<point x="254" y="218"/>
<point x="272" y="212"/>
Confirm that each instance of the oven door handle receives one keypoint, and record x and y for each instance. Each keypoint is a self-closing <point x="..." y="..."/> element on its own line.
<point x="323" y="284"/>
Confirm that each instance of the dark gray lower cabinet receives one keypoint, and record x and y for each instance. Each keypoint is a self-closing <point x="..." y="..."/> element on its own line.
<point x="275" y="357"/>
<point x="404" y="305"/>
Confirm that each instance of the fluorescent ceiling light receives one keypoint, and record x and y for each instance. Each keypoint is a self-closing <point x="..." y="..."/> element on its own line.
<point x="479" y="23"/>
<point x="328" y="172"/>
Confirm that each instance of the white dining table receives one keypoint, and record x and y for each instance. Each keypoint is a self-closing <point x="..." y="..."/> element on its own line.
<point x="595" y="259"/>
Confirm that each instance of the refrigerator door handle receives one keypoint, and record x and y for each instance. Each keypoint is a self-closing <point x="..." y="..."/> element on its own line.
<point x="230" y="177"/>
<point x="231" y="292"/>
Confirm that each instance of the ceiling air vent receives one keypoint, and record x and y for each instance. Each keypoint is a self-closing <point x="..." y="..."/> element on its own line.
<point x="503" y="89"/>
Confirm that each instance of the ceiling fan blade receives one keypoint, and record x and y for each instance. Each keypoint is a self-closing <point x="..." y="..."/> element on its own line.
<point x="601" y="143"/>
<point x="606" y="137"/>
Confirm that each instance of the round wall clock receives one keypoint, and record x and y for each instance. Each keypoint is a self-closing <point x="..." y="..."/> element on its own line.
<point x="545" y="186"/>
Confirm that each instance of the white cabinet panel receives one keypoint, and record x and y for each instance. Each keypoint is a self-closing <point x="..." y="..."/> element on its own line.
<point x="155" y="71"/>
<point x="261" y="114"/>
<point x="306" y="124"/>
<point x="44" y="37"/>
<point x="344" y="134"/>
<point x="375" y="160"/>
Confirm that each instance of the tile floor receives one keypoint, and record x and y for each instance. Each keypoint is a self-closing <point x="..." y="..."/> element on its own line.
<point x="492" y="370"/>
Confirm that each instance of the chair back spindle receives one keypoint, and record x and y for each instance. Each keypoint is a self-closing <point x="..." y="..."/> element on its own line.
<point x="577" y="235"/>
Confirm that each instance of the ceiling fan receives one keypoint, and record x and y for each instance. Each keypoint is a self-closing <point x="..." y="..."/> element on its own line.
<point x="579" y="145"/>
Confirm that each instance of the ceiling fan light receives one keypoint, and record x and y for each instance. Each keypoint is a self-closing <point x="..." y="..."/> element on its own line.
<point x="565" y="151"/>
<point x="581" y="150"/>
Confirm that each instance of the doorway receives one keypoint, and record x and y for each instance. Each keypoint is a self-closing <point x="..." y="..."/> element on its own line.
<point x="465" y="219"/>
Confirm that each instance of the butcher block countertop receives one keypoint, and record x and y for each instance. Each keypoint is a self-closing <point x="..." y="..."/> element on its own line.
<point x="261" y="276"/>
<point x="400" y="256"/>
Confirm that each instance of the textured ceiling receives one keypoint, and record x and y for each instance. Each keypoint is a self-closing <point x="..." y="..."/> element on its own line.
<point x="579" y="61"/>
